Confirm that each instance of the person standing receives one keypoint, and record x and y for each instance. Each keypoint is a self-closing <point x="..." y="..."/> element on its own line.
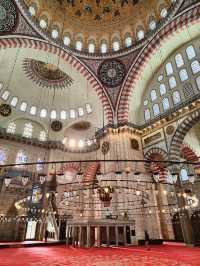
<point x="46" y="235"/>
<point x="147" y="240"/>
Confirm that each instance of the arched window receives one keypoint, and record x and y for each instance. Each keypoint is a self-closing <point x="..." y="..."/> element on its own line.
<point x="43" y="23"/>
<point x="21" y="158"/>
<point x="163" y="13"/>
<point x="140" y="34"/>
<point x="43" y="135"/>
<point x="198" y="82"/>
<point x="28" y="130"/>
<point x="55" y="33"/>
<point x="80" y="111"/>
<point x="162" y="89"/>
<point x="88" y="108"/>
<point x="128" y="41"/>
<point x="5" y="95"/>
<point x="165" y="103"/>
<point x="176" y="97"/>
<point x="14" y="101"/>
<point x="156" y="109"/>
<point x="11" y="128"/>
<point x="116" y="45"/>
<point x="172" y="82"/>
<point x="32" y="10"/>
<point x="91" y="47"/>
<point x="183" y="75"/>
<point x="23" y="106"/>
<point x="169" y="69"/>
<point x="190" y="52"/>
<point x="3" y="157"/>
<point x="63" y="115"/>
<point x="104" y="48"/>
<point x="43" y="113"/>
<point x="72" y="113"/>
<point x="66" y="40"/>
<point x="195" y="67"/>
<point x="179" y="60"/>
<point x="53" y="114"/>
<point x="33" y="110"/>
<point x="152" y="25"/>
<point x="153" y="95"/>
<point x="184" y="174"/>
<point x="39" y="166"/>
<point x="147" y="114"/>
<point x="79" y="45"/>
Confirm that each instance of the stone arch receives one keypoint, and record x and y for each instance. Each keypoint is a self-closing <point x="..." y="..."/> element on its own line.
<point x="188" y="154"/>
<point x="180" y="133"/>
<point x="143" y="58"/>
<point x="15" y="42"/>
<point x="157" y="154"/>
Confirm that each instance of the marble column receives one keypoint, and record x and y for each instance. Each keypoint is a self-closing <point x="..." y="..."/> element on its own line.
<point x="125" y="240"/>
<point x="98" y="239"/>
<point x="67" y="235"/>
<point x="80" y="236"/>
<point x="107" y="235"/>
<point x="73" y="235"/>
<point x="116" y="236"/>
<point x="88" y="236"/>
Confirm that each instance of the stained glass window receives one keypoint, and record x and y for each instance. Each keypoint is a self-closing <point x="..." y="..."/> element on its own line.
<point x="165" y="103"/>
<point x="3" y="157"/>
<point x="162" y="89"/>
<point x="172" y="83"/>
<point x="43" y="135"/>
<point x="176" y="97"/>
<point x="28" y="130"/>
<point x="21" y="158"/>
<point x="43" y="113"/>
<point x="14" y="101"/>
<point x="184" y="174"/>
<point x="23" y="106"/>
<point x="195" y="67"/>
<point x="179" y="60"/>
<point x="169" y="69"/>
<point x="147" y="114"/>
<point x="11" y="128"/>
<point x="53" y="114"/>
<point x="5" y="95"/>
<point x="183" y="74"/>
<point x="190" y="52"/>
<point x="153" y="95"/>
<point x="156" y="109"/>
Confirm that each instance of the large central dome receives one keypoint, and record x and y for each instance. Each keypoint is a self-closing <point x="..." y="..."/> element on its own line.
<point x="98" y="25"/>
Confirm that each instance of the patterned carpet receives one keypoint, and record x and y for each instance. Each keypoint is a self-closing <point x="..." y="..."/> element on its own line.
<point x="133" y="256"/>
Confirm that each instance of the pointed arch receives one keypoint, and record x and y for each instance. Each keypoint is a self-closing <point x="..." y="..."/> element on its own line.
<point x="15" y="42"/>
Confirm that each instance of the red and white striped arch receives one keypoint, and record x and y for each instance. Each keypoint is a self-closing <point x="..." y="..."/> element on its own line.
<point x="17" y="42"/>
<point x="134" y="74"/>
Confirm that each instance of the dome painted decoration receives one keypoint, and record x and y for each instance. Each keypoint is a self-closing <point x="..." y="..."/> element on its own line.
<point x="111" y="73"/>
<point x="8" y="16"/>
<point x="46" y="75"/>
<point x="56" y="125"/>
<point x="105" y="21"/>
<point x="5" y="109"/>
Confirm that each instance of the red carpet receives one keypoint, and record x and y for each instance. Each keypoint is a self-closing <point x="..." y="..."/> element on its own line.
<point x="134" y="256"/>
